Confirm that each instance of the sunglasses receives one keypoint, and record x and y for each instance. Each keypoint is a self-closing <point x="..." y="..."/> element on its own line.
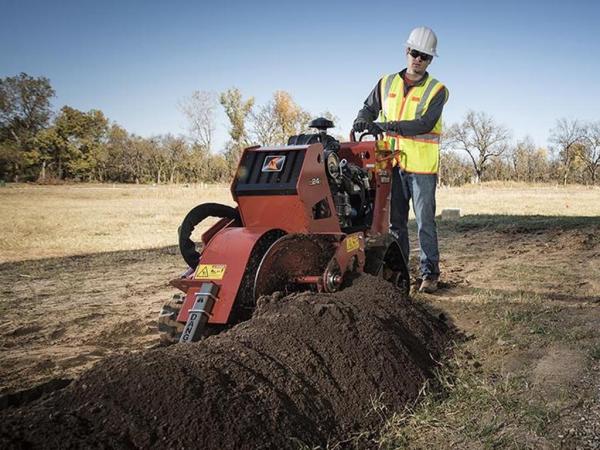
<point x="417" y="54"/>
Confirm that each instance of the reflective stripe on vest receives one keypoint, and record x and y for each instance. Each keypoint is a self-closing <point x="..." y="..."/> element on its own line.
<point x="426" y="95"/>
<point x="418" y="154"/>
<point x="389" y="97"/>
<point x="428" y="137"/>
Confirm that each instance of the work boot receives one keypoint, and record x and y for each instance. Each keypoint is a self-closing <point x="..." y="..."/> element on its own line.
<point x="429" y="285"/>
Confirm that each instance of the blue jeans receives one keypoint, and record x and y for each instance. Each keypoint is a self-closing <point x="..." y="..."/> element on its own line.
<point x="421" y="188"/>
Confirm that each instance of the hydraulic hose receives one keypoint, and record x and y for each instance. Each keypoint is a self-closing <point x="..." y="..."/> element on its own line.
<point x="187" y="247"/>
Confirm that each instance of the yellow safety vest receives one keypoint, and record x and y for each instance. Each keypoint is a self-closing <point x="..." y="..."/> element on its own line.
<point x="418" y="154"/>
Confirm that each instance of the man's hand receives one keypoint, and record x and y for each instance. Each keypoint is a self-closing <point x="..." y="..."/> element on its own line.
<point x="375" y="129"/>
<point x="360" y="125"/>
<point x="394" y="127"/>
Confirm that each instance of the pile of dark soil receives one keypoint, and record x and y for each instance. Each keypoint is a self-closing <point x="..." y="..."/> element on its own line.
<point x="306" y="369"/>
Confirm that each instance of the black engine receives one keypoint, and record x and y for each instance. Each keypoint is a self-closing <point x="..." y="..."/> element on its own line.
<point x="349" y="183"/>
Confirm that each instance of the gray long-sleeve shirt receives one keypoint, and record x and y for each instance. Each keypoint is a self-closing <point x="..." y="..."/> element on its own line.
<point x="424" y="125"/>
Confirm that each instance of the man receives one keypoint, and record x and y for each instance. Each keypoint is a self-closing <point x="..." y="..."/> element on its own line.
<point x="408" y="107"/>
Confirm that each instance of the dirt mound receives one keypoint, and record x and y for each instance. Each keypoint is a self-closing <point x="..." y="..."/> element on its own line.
<point x="306" y="369"/>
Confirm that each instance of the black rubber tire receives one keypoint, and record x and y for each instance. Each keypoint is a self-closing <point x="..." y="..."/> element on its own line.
<point x="187" y="247"/>
<point x="168" y="328"/>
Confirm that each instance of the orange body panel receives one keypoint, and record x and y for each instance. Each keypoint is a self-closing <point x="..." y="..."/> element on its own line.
<point x="230" y="247"/>
<point x="293" y="213"/>
<point x="366" y="155"/>
<point x="278" y="211"/>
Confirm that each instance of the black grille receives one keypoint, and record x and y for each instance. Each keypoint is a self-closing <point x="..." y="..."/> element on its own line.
<point x="251" y="180"/>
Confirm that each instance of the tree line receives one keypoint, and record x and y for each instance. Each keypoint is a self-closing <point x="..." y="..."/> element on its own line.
<point x="480" y="149"/>
<point x="40" y="144"/>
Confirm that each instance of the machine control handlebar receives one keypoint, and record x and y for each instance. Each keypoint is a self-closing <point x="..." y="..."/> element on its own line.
<point x="362" y="135"/>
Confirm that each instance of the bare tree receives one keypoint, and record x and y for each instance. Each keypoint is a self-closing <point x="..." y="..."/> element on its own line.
<point x="591" y="150"/>
<point x="498" y="168"/>
<point x="453" y="171"/>
<point x="528" y="162"/>
<point x="199" y="109"/>
<point x="481" y="137"/>
<point x="290" y="117"/>
<point x="519" y="157"/>
<point x="280" y="118"/>
<point x="567" y="136"/>
<point x="263" y="127"/>
<point x="174" y="150"/>
<point x="237" y="110"/>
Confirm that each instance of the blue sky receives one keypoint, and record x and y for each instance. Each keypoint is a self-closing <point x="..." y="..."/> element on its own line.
<point x="525" y="63"/>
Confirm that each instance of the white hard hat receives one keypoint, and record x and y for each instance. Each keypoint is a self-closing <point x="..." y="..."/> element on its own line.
<point x="423" y="39"/>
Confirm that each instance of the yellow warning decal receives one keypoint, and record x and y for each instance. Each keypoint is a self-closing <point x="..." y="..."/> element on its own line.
<point x="210" y="271"/>
<point x="352" y="243"/>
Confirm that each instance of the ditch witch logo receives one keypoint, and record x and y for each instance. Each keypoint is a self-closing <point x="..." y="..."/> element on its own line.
<point x="273" y="163"/>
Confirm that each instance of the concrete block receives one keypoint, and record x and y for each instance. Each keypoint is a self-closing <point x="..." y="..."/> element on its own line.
<point x="450" y="213"/>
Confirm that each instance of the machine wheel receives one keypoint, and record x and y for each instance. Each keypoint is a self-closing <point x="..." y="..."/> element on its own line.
<point x="187" y="247"/>
<point x="169" y="329"/>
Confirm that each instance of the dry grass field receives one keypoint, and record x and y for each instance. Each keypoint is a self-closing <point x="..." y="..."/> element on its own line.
<point x="84" y="271"/>
<point x="45" y="221"/>
<point x="50" y="221"/>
